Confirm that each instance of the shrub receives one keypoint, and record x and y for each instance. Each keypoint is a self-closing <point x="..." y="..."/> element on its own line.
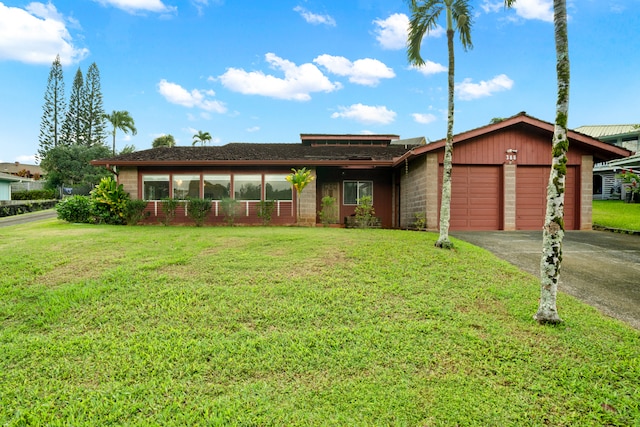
<point x="34" y="195"/>
<point x="365" y="214"/>
<point x="420" y="222"/>
<point x="198" y="209"/>
<point x="134" y="212"/>
<point x="110" y="201"/>
<point x="265" y="210"/>
<point x="77" y="209"/>
<point x="169" y="207"/>
<point x="229" y="208"/>
<point x="328" y="214"/>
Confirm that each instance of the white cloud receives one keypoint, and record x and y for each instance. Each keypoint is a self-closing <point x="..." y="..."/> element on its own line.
<point x="176" y="94"/>
<point x="298" y="82"/>
<point x="424" y="118"/>
<point x="35" y="35"/>
<point x="468" y="90"/>
<point x="133" y="6"/>
<point x="253" y="129"/>
<point x="392" y="32"/>
<point x="526" y="9"/>
<point x="429" y="68"/>
<point x="366" y="71"/>
<point x="315" y="19"/>
<point x="366" y="114"/>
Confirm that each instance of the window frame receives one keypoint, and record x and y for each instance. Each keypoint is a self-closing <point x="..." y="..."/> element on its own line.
<point x="155" y="178"/>
<point x="358" y="188"/>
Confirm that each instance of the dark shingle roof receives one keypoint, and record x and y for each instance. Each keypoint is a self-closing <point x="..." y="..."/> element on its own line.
<point x="252" y="152"/>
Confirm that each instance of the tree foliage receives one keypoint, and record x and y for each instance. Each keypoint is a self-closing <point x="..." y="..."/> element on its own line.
<point x="120" y="120"/>
<point x="93" y="114"/>
<point x="72" y="127"/>
<point x="299" y="179"/>
<point x="201" y="137"/>
<point x="164" y="141"/>
<point x="53" y="110"/>
<point x="70" y="165"/>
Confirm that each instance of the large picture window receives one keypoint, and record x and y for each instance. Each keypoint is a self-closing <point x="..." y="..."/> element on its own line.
<point x="353" y="191"/>
<point x="155" y="187"/>
<point x="277" y="188"/>
<point x="247" y="187"/>
<point x="186" y="186"/>
<point x="217" y="187"/>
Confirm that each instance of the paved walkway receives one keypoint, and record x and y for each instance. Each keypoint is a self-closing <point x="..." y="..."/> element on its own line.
<point x="600" y="268"/>
<point x="28" y="217"/>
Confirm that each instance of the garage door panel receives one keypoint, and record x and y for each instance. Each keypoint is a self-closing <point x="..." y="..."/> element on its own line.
<point x="475" y="198"/>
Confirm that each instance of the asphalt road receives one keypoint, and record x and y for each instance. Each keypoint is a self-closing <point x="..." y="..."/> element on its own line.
<point x="600" y="268"/>
<point x="28" y="217"/>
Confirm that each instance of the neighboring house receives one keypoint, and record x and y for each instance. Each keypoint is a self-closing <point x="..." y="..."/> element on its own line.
<point x="5" y="185"/>
<point x="606" y="185"/>
<point x="23" y="170"/>
<point x="499" y="177"/>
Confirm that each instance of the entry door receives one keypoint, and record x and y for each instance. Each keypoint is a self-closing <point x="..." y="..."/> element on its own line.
<point x="332" y="189"/>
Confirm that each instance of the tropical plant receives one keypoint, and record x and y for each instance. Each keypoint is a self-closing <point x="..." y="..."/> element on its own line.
<point x="123" y="121"/>
<point x="424" y="17"/>
<point x="70" y="165"/>
<point x="201" y="137"/>
<point x="110" y="202"/>
<point x="53" y="110"/>
<point x="329" y="212"/>
<point x="229" y="209"/>
<point x="299" y="179"/>
<point x="633" y="184"/>
<point x="198" y="209"/>
<point x="169" y="207"/>
<point x="75" y="209"/>
<point x="420" y="221"/>
<point x="365" y="213"/>
<point x="265" y="210"/>
<point x="164" y="141"/>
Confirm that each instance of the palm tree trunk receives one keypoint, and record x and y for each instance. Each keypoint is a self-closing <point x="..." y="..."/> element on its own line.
<point x="553" y="231"/>
<point x="445" y="204"/>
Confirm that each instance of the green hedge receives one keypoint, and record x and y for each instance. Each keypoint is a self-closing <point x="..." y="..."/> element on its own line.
<point x="34" y="195"/>
<point x="32" y="206"/>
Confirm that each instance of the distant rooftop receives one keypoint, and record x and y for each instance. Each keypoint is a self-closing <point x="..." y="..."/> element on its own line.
<point x="604" y="131"/>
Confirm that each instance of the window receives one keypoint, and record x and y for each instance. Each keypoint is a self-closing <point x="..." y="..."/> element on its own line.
<point x="217" y="187"/>
<point x="247" y="187"/>
<point x="155" y="187"/>
<point x="186" y="186"/>
<point x="353" y="191"/>
<point x="277" y="188"/>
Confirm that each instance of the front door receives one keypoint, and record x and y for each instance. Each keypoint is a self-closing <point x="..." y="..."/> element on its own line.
<point x="331" y="189"/>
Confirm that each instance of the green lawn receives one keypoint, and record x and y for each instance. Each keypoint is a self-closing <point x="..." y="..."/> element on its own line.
<point x="255" y="326"/>
<point x="616" y="214"/>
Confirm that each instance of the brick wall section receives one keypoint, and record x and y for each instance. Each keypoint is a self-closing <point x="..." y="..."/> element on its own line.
<point x="128" y="177"/>
<point x="509" y="202"/>
<point x="433" y="192"/>
<point x="586" y="192"/>
<point x="308" y="206"/>
<point x="413" y="185"/>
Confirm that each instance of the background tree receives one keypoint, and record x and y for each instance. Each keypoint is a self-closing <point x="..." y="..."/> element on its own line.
<point x="298" y="180"/>
<point x="424" y="17"/>
<point x="72" y="126"/>
<point x="93" y="114"/>
<point x="70" y="165"/>
<point x="164" y="141"/>
<point x="123" y="121"/>
<point x="54" y="110"/>
<point x="201" y="137"/>
<point x="128" y="149"/>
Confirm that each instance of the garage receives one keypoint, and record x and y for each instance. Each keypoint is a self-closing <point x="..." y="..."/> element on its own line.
<point x="475" y="203"/>
<point x="531" y="197"/>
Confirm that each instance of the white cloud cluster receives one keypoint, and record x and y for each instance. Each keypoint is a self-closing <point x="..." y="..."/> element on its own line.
<point x="176" y="94"/>
<point x="526" y="9"/>
<point x="392" y="32"/>
<point x="429" y="68"/>
<point x="36" y="34"/>
<point x="424" y="118"/>
<point x="315" y="19"/>
<point x="367" y="71"/>
<point x="467" y="90"/>
<point x="366" y="114"/>
<point x="298" y="82"/>
<point x="133" y="6"/>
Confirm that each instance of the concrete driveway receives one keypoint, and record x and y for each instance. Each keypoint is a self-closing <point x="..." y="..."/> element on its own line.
<point x="600" y="268"/>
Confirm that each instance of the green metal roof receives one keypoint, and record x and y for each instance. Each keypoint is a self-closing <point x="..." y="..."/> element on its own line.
<point x="605" y="131"/>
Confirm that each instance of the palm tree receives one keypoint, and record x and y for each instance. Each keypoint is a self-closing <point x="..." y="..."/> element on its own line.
<point x="164" y="141"/>
<point x="424" y="15"/>
<point x="201" y="137"/>
<point x="299" y="180"/>
<point x="123" y="121"/>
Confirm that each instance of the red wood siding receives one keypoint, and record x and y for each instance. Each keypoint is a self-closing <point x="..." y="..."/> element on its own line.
<point x="531" y="199"/>
<point x="475" y="197"/>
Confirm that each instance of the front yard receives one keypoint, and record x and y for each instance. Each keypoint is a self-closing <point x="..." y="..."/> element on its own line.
<point x="272" y="326"/>
<point x="616" y="214"/>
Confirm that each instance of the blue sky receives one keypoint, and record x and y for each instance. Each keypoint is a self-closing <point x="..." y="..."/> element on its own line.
<point x="266" y="71"/>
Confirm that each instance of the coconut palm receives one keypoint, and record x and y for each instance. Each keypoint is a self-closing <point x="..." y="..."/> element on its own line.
<point x="201" y="137"/>
<point x="123" y="121"/>
<point x="424" y="18"/>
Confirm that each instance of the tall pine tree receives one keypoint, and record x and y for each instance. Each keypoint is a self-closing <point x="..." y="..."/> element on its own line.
<point x="53" y="111"/>
<point x="93" y="114"/>
<point x="72" y="126"/>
